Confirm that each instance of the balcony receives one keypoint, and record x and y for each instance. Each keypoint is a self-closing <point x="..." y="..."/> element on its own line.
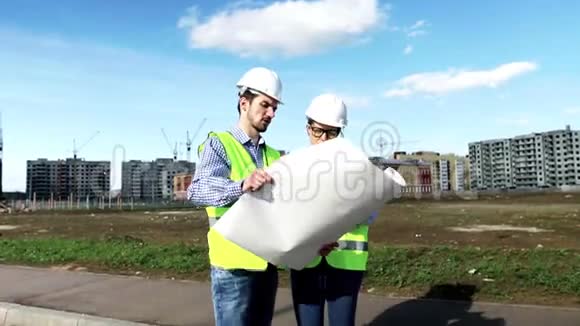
<point x="527" y="178"/>
<point x="526" y="173"/>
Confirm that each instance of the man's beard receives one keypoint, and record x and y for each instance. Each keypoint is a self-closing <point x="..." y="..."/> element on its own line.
<point x="261" y="126"/>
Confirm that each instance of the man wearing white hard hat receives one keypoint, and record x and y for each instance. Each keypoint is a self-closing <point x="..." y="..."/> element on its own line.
<point x="231" y="163"/>
<point x="336" y="275"/>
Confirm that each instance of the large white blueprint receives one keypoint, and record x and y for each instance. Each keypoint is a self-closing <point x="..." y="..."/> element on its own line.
<point x="319" y="193"/>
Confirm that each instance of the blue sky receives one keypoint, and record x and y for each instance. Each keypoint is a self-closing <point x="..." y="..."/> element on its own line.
<point x="428" y="75"/>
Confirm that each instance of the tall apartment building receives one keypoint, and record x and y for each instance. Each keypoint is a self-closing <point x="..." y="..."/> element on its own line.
<point x="444" y="172"/>
<point x="152" y="180"/>
<point x="449" y="172"/>
<point x="461" y="177"/>
<point x="131" y="178"/>
<point x="544" y="159"/>
<point x="60" y="179"/>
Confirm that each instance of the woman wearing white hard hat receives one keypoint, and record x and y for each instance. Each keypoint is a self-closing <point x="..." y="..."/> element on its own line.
<point x="334" y="277"/>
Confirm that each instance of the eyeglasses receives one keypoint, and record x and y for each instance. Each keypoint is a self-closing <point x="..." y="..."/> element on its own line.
<point x="330" y="133"/>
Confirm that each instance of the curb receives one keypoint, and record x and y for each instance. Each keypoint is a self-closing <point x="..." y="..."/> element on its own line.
<point x="12" y="314"/>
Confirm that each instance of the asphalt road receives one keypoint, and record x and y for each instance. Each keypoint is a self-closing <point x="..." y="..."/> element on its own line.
<point x="167" y="302"/>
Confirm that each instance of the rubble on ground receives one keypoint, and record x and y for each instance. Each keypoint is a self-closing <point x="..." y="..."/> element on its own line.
<point x="5" y="209"/>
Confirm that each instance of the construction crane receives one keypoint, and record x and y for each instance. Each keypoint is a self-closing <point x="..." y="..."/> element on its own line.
<point x="174" y="149"/>
<point x="180" y="149"/>
<point x="189" y="141"/>
<point x="382" y="143"/>
<point x="77" y="150"/>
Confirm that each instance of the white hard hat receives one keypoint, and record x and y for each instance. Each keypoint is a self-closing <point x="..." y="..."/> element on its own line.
<point x="328" y="109"/>
<point x="262" y="80"/>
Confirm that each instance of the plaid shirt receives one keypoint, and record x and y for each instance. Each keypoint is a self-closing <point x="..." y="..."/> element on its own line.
<point x="211" y="185"/>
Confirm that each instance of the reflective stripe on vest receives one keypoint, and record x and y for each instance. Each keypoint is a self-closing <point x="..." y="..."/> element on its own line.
<point x="352" y="251"/>
<point x="353" y="245"/>
<point x="224" y="253"/>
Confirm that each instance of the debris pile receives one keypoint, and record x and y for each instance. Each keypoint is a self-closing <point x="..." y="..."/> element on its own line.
<point x="7" y="209"/>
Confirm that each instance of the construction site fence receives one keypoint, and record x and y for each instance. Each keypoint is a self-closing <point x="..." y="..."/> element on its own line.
<point x="412" y="189"/>
<point x="433" y="192"/>
<point x="102" y="203"/>
<point x="120" y="203"/>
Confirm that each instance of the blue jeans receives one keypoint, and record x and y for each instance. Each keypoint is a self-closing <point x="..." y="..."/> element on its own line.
<point x="313" y="287"/>
<point x="244" y="298"/>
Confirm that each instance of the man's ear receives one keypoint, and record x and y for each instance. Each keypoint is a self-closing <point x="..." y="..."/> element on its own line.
<point x="244" y="103"/>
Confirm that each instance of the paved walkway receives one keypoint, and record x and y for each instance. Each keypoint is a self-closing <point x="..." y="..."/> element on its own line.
<point x="166" y="302"/>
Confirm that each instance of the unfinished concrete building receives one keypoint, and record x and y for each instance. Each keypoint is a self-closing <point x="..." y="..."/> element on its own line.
<point x="154" y="180"/>
<point x="70" y="178"/>
<point x="536" y="160"/>
<point x="132" y="178"/>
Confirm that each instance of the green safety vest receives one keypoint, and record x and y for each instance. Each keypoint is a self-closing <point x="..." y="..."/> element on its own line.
<point x="352" y="252"/>
<point x="222" y="252"/>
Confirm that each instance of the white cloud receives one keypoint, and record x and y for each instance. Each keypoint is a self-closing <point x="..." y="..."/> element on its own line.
<point x="289" y="28"/>
<point x="437" y="83"/>
<point x="417" y="29"/>
<point x="418" y="24"/>
<point x="408" y="50"/>
<point x="190" y="19"/>
<point x="398" y="92"/>
<point x="572" y="111"/>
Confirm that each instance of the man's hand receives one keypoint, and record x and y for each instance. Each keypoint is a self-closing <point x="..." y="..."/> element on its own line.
<point x="327" y="248"/>
<point x="256" y="180"/>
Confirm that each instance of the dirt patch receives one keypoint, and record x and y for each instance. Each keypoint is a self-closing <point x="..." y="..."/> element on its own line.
<point x="427" y="223"/>
<point x="508" y="206"/>
<point x="149" y="228"/>
<point x="406" y="223"/>
<point x="484" y="228"/>
<point x="8" y="227"/>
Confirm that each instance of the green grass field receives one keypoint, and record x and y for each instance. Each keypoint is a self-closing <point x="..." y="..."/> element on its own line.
<point x="531" y="256"/>
<point x="549" y="276"/>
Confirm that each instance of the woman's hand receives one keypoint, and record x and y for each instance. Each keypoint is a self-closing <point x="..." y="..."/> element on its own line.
<point x="327" y="248"/>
